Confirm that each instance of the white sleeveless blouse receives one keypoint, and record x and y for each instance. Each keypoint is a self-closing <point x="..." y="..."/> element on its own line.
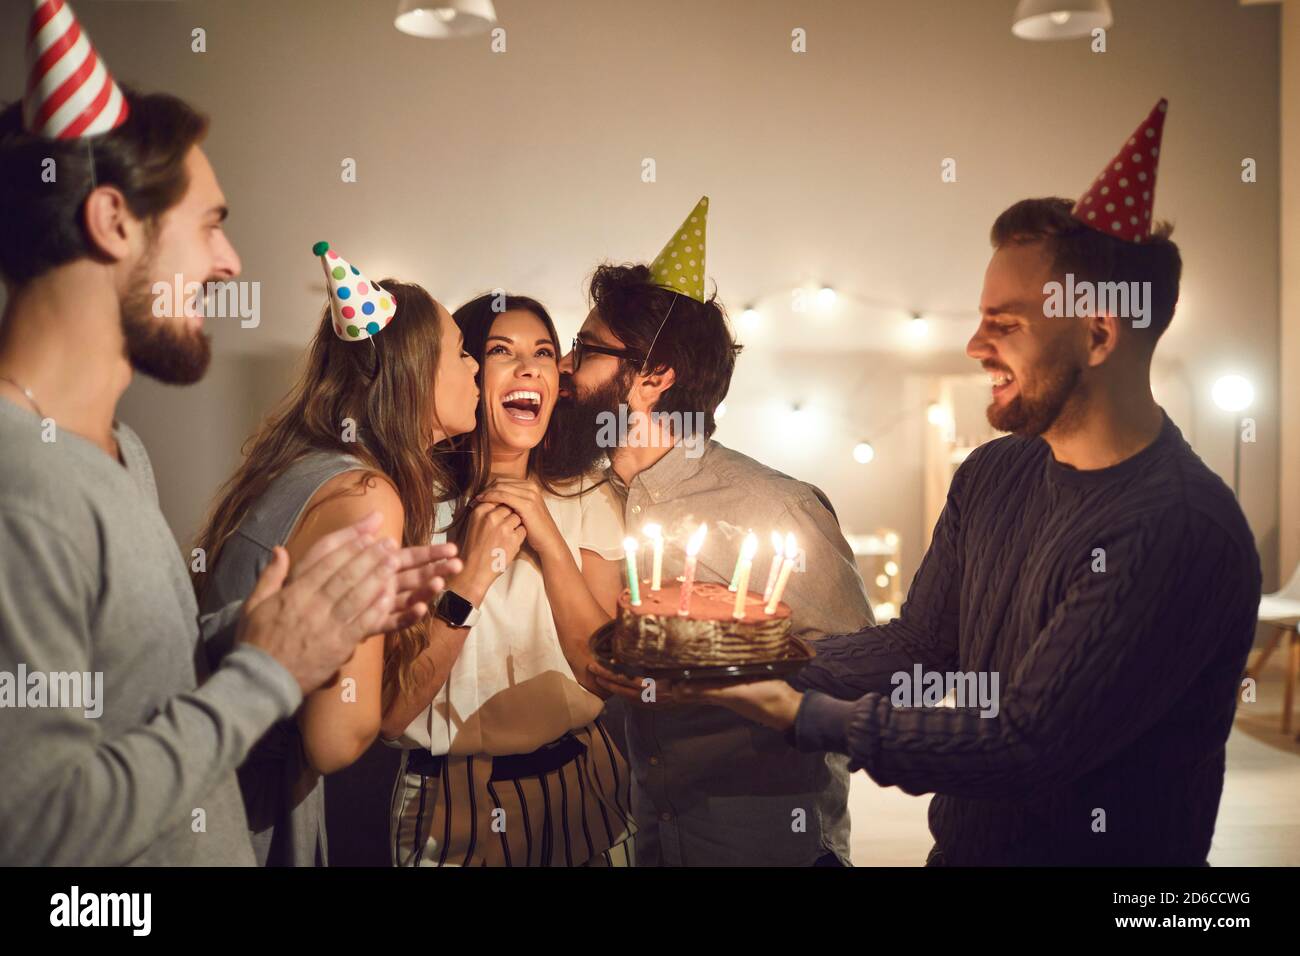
<point x="512" y="690"/>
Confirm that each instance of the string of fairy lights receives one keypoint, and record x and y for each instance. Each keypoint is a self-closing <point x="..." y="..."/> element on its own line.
<point x="824" y="299"/>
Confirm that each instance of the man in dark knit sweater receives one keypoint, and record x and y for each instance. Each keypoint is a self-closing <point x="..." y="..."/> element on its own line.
<point x="1090" y="561"/>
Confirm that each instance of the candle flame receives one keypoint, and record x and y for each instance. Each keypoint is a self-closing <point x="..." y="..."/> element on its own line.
<point x="630" y="545"/>
<point x="749" y="548"/>
<point x="777" y="543"/>
<point x="652" y="531"/>
<point x="791" y="549"/>
<point x="697" y="540"/>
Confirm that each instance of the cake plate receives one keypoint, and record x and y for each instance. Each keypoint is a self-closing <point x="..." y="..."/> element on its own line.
<point x="798" y="653"/>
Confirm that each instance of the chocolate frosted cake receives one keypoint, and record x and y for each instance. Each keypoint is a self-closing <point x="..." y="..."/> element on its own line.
<point x="653" y="633"/>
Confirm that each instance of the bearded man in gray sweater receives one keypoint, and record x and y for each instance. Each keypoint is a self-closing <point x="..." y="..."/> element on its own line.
<point x="118" y="747"/>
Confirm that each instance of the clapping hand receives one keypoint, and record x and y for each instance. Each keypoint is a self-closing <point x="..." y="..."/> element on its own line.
<point x="422" y="573"/>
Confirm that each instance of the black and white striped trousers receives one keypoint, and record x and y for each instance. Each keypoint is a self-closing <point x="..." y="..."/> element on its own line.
<point x="504" y="811"/>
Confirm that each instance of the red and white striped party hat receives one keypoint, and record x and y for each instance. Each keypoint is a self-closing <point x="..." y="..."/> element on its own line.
<point x="1120" y="200"/>
<point x="70" y="93"/>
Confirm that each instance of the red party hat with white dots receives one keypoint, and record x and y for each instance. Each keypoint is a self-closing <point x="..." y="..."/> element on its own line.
<point x="70" y="93"/>
<point x="1119" y="201"/>
<point x="360" y="308"/>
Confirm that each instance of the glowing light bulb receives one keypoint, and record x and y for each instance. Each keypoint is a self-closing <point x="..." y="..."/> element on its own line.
<point x="826" y="297"/>
<point x="1233" y="393"/>
<point x="863" y="453"/>
<point x="939" y="415"/>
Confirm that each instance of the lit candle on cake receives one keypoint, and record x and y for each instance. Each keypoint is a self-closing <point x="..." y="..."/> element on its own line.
<point x="735" y="574"/>
<point x="656" y="534"/>
<point x="633" y="586"/>
<point x="747" y="552"/>
<point x="778" y="544"/>
<point x="791" y="550"/>
<point x="688" y="575"/>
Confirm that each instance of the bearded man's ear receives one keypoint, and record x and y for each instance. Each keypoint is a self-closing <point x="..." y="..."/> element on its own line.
<point x="108" y="223"/>
<point x="658" y="382"/>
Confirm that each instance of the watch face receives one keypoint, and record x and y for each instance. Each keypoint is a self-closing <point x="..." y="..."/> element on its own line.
<point x="453" y="608"/>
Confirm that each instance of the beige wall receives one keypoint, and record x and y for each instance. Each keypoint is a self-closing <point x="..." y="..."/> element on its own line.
<point x="1289" y="471"/>
<point x="523" y="169"/>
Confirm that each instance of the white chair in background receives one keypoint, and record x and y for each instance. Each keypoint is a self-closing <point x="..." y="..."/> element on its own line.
<point x="1281" y="609"/>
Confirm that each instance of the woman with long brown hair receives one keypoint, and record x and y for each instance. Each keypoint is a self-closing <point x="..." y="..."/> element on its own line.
<point x="386" y="380"/>
<point x="505" y="760"/>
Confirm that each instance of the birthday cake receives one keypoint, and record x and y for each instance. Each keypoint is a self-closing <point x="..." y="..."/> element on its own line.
<point x="653" y="633"/>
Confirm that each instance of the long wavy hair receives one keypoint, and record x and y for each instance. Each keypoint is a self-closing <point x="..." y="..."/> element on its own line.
<point x="385" y="387"/>
<point x="471" y="458"/>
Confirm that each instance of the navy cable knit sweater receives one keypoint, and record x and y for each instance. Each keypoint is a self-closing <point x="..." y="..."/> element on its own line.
<point x="1117" y="686"/>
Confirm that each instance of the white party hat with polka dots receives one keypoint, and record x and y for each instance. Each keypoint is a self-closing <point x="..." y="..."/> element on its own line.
<point x="680" y="266"/>
<point x="360" y="308"/>
<point x="1120" y="200"/>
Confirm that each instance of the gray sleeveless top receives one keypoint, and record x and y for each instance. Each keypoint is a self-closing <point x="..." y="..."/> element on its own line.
<point x="285" y="831"/>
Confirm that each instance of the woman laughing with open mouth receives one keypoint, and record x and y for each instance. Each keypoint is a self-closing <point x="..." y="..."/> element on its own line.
<point x="505" y="759"/>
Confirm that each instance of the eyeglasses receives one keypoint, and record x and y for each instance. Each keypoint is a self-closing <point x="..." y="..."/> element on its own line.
<point x="581" y="348"/>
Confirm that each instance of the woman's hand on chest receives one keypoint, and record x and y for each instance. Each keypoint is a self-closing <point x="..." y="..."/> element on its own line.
<point x="493" y="538"/>
<point x="527" y="500"/>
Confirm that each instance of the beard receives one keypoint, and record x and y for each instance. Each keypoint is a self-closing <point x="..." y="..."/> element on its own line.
<point x="1042" y="401"/>
<point x="572" y="449"/>
<point x="162" y="348"/>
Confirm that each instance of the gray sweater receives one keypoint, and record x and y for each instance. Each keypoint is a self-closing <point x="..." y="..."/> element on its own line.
<point x="91" y="583"/>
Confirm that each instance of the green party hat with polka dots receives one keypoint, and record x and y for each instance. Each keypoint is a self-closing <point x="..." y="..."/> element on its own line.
<point x="680" y="266"/>
<point x="360" y="308"/>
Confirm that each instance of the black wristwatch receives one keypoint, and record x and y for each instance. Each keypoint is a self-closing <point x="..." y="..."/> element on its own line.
<point x="455" y="610"/>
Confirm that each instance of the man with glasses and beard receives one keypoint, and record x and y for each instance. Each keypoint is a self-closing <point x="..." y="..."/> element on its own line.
<point x="710" y="789"/>
<point x="94" y="596"/>
<point x="1090" y="561"/>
